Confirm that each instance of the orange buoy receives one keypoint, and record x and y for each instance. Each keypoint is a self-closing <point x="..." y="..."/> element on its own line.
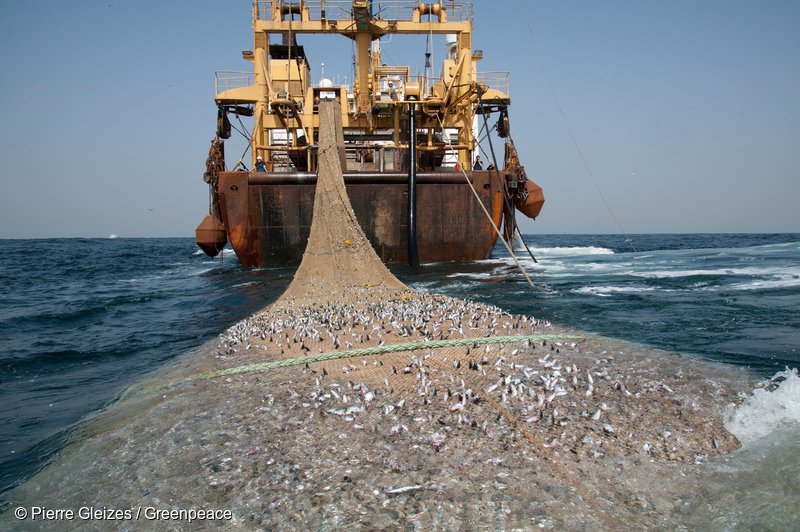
<point x="210" y="235"/>
<point x="531" y="206"/>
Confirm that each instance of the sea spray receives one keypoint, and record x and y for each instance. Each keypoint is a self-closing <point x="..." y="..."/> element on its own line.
<point x="774" y="405"/>
<point x="758" y="486"/>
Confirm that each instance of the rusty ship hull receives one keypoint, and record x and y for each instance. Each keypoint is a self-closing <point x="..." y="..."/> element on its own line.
<point x="267" y="216"/>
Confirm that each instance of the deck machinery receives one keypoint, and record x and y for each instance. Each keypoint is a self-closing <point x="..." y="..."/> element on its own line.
<point x="409" y="139"/>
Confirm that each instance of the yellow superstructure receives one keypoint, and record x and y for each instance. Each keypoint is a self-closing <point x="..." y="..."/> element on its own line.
<point x="284" y="100"/>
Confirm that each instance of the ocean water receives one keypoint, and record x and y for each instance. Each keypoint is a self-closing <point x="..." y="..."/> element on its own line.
<point x="733" y="298"/>
<point x="80" y="319"/>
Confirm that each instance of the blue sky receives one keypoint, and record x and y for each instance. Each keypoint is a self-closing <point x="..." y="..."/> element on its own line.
<point x="686" y="111"/>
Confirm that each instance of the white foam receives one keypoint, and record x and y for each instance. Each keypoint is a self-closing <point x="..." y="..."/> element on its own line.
<point x="571" y="251"/>
<point x="560" y="268"/>
<point x="225" y="251"/>
<point x="460" y="286"/>
<point x="749" y="271"/>
<point x="607" y="291"/>
<point x="472" y="275"/>
<point x="769" y="408"/>
<point x="779" y="246"/>
<point x="787" y="282"/>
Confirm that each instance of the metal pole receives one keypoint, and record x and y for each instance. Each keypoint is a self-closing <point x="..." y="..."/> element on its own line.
<point x="413" y="258"/>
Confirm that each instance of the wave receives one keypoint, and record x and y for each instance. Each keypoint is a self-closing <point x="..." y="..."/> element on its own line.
<point x="607" y="291"/>
<point x="571" y="251"/>
<point x="225" y="251"/>
<point x="774" y="406"/>
<point x="777" y="246"/>
<point x="770" y="284"/>
<point x="476" y="276"/>
<point x="719" y="272"/>
<point x="552" y="265"/>
<point x="457" y="288"/>
<point x="246" y="283"/>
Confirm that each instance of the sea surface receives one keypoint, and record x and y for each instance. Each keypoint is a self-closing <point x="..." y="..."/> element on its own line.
<point x="80" y="319"/>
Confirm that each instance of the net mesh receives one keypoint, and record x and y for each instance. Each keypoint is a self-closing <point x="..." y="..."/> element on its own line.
<point x="339" y="263"/>
<point x="538" y="388"/>
<point x="342" y="291"/>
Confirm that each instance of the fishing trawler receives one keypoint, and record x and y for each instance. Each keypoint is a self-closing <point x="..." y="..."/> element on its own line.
<point x="409" y="142"/>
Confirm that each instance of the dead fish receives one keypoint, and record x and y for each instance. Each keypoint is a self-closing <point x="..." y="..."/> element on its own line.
<point x="404" y="489"/>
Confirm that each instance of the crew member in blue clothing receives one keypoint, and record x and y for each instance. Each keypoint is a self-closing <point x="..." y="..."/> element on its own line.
<point x="478" y="164"/>
<point x="260" y="166"/>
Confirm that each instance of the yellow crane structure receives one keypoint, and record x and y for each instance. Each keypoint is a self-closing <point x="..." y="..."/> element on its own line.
<point x="285" y="99"/>
<point x="394" y="123"/>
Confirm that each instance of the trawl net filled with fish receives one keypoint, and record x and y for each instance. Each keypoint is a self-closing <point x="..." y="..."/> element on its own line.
<point x="355" y="401"/>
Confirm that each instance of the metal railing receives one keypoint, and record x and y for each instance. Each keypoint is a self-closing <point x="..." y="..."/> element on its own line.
<point x="230" y="79"/>
<point x="495" y="79"/>
<point x="381" y="9"/>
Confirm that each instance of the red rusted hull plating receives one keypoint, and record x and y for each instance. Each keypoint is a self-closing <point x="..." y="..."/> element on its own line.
<point x="268" y="215"/>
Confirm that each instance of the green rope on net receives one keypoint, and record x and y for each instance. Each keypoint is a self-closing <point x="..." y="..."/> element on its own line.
<point x="353" y="353"/>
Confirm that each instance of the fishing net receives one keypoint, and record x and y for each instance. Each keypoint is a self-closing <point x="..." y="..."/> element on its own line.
<point x="346" y="315"/>
<point x="407" y="357"/>
<point x="353" y="401"/>
<point x="339" y="263"/>
<point x="345" y="304"/>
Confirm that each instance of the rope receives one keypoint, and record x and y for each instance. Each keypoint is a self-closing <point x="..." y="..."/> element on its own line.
<point x="241" y="159"/>
<point x="486" y="212"/>
<point x="497" y="174"/>
<point x="351" y="353"/>
<point x="521" y="239"/>
<point x="506" y="199"/>
<point x="569" y="130"/>
<point x="244" y="129"/>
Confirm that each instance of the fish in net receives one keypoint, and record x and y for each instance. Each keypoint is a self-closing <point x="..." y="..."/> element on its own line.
<point x="356" y="401"/>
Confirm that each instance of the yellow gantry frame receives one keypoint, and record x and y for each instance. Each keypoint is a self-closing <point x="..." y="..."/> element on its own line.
<point x="276" y="87"/>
